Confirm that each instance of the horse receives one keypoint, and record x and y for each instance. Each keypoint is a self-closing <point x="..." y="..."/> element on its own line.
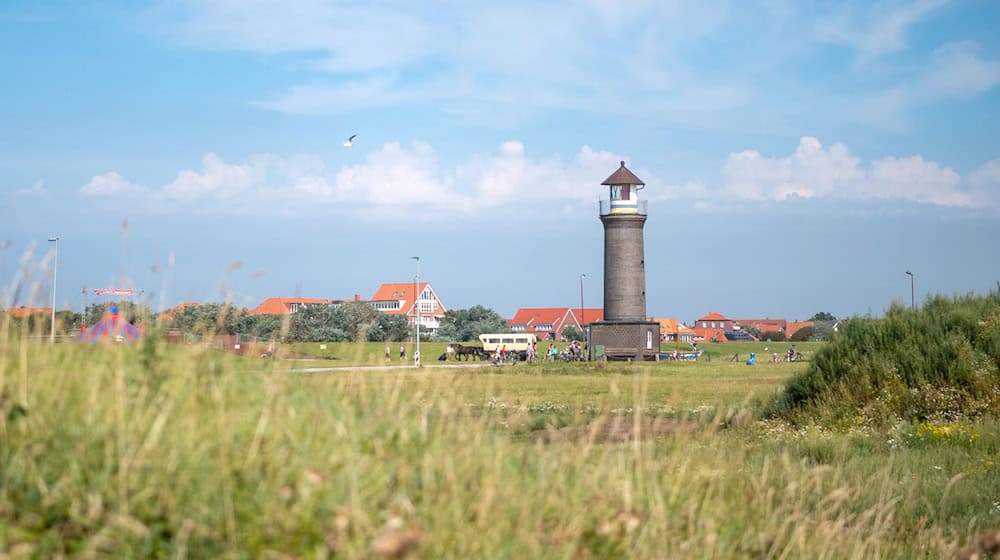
<point x="466" y="351"/>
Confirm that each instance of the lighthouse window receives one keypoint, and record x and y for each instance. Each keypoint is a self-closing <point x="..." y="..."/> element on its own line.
<point x="616" y="192"/>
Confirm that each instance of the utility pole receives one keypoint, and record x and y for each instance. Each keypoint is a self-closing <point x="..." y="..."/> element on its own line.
<point x="55" y="272"/>
<point x="416" y="302"/>
<point x="913" y="299"/>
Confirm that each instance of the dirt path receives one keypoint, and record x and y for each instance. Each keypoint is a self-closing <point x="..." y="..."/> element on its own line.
<point x="324" y="369"/>
<point x="618" y="429"/>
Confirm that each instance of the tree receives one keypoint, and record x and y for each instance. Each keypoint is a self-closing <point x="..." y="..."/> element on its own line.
<point x="391" y="327"/>
<point x="317" y="323"/>
<point x="131" y="312"/>
<point x="209" y="319"/>
<point x="461" y="325"/>
<point x="572" y="333"/>
<point x="823" y="316"/>
<point x="348" y="322"/>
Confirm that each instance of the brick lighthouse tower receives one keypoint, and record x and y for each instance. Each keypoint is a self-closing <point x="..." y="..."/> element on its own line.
<point x="625" y="333"/>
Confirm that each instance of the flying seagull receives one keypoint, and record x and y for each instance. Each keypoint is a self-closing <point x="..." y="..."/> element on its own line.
<point x="350" y="141"/>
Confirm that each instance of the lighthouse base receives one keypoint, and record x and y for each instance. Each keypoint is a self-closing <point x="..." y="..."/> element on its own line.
<point x="624" y="340"/>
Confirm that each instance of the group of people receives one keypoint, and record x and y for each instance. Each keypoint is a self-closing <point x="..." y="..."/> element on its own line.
<point x="573" y="352"/>
<point x="402" y="353"/>
<point x="790" y="355"/>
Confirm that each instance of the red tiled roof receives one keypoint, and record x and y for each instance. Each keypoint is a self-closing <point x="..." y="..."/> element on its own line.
<point x="556" y="317"/>
<point x="531" y="316"/>
<point x="709" y="334"/>
<point x="763" y="325"/>
<point x="21" y="312"/>
<point x="793" y="326"/>
<point x="590" y="314"/>
<point x="669" y="326"/>
<point x="713" y="316"/>
<point x="180" y="307"/>
<point x="402" y="291"/>
<point x="283" y="306"/>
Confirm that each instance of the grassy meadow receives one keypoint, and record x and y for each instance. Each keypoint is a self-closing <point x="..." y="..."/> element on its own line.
<point x="154" y="450"/>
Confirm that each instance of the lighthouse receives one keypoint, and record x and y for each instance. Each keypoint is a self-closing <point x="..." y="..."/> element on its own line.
<point x="625" y="332"/>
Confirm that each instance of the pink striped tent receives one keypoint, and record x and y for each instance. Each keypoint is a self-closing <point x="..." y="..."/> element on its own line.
<point x="111" y="328"/>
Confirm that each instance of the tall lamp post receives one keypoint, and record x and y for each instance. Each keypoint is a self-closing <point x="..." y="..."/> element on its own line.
<point x="55" y="271"/>
<point x="583" y="322"/>
<point x="913" y="300"/>
<point x="416" y="303"/>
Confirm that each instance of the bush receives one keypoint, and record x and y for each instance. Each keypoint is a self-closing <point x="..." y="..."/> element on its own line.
<point x="773" y="336"/>
<point x="940" y="362"/>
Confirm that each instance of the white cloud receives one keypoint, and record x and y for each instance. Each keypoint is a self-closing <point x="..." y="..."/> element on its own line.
<point x="876" y="28"/>
<point x="914" y="178"/>
<point x="811" y="171"/>
<point x="37" y="189"/>
<point x="218" y="179"/>
<point x="110" y="184"/>
<point x="393" y="178"/>
<point x="409" y="182"/>
<point x="817" y="172"/>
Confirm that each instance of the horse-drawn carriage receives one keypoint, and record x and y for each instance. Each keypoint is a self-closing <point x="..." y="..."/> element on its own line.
<point x="513" y="346"/>
<point x="458" y="351"/>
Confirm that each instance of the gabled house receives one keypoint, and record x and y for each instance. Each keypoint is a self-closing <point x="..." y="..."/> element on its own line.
<point x="398" y="299"/>
<point x="671" y="328"/>
<point x="712" y="327"/>
<point x="286" y="306"/>
<point x="547" y="323"/>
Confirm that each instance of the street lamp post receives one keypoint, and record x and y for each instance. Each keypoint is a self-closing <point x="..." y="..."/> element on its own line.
<point x="913" y="299"/>
<point x="583" y="321"/>
<point x="55" y="271"/>
<point x="416" y="300"/>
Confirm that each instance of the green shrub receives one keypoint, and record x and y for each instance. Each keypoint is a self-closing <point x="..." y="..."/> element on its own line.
<point x="937" y="362"/>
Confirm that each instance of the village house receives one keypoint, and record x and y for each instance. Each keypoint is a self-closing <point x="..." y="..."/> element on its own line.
<point x="287" y="306"/>
<point x="398" y="299"/>
<point x="547" y="323"/>
<point x="712" y="327"/>
<point x="670" y="329"/>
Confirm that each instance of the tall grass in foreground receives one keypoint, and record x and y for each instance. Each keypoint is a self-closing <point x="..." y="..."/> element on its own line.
<point x="155" y="451"/>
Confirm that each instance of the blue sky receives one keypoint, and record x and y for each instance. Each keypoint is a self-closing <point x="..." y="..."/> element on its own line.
<point x="798" y="156"/>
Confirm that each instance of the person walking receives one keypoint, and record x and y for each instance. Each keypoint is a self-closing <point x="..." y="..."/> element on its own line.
<point x="402" y="352"/>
